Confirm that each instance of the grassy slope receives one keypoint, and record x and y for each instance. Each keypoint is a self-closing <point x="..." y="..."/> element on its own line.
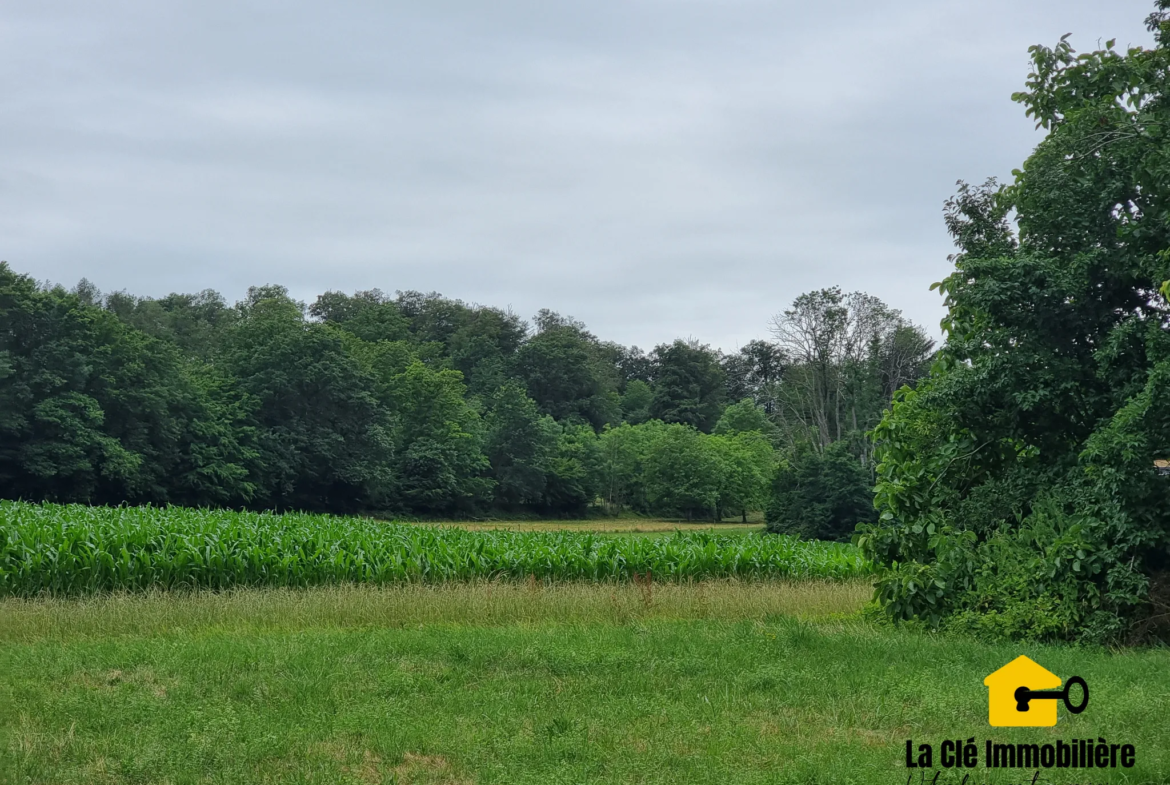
<point x="515" y="684"/>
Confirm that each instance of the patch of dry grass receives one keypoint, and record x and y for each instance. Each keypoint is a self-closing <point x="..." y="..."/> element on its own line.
<point x="483" y="603"/>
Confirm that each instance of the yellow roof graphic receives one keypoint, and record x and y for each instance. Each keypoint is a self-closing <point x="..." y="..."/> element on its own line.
<point x="1023" y="672"/>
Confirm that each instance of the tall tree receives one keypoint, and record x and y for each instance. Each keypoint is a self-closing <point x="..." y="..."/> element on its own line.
<point x="1018" y="480"/>
<point x="747" y="460"/>
<point x="684" y="474"/>
<point x="325" y="440"/>
<point x="688" y="385"/>
<point x="820" y="496"/>
<point x="567" y="374"/>
<point x="195" y="323"/>
<point x="624" y="454"/>
<point x="91" y="410"/>
<point x="846" y="351"/>
<point x="637" y="401"/>
<point x="438" y="464"/>
<point x="521" y="444"/>
<point x="369" y="315"/>
<point x="754" y="372"/>
<point x="746" y="417"/>
<point x="574" y="477"/>
<point x="54" y="444"/>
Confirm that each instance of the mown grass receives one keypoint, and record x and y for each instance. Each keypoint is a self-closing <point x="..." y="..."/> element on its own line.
<point x="483" y="683"/>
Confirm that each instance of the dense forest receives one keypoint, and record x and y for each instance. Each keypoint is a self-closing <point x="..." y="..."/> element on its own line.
<point x="416" y="404"/>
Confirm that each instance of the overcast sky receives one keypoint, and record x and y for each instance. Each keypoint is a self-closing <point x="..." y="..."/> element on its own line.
<point x="655" y="168"/>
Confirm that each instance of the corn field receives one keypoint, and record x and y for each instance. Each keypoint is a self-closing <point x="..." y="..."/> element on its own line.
<point x="74" y="549"/>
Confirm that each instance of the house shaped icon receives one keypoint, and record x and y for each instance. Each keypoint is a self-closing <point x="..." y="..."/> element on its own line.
<point x="1003" y="709"/>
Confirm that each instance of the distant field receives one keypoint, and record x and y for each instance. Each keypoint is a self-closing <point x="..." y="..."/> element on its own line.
<point x="606" y="526"/>
<point x="511" y="684"/>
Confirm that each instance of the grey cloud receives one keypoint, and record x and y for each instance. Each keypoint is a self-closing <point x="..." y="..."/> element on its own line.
<point x="656" y="168"/>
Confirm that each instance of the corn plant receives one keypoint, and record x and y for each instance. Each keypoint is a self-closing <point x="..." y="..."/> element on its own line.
<point x="74" y="549"/>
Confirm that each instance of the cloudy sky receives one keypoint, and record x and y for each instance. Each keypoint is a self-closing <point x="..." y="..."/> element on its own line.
<point x="656" y="168"/>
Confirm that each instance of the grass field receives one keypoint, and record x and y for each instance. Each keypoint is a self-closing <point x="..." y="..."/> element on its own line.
<point x="712" y="682"/>
<point x="359" y="651"/>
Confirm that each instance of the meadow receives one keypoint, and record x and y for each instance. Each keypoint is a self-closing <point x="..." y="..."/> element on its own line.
<point x="715" y="681"/>
<point x="175" y="646"/>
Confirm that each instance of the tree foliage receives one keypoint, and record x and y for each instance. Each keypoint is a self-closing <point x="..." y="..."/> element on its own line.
<point x="849" y="354"/>
<point x="409" y="403"/>
<point x="91" y="410"/>
<point x="688" y="385"/>
<point x="1016" y="485"/>
<point x="821" y="495"/>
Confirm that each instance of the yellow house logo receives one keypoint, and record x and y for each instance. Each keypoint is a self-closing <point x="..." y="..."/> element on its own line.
<point x="1021" y="694"/>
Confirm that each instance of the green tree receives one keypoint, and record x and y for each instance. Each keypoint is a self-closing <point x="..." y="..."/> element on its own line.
<point x="688" y="385"/>
<point x="636" y="402"/>
<point x="1016" y="485"/>
<point x="368" y="315"/>
<point x="484" y="347"/>
<point x="748" y="467"/>
<point x="746" y="417"/>
<point x="439" y="465"/>
<point x="92" y="410"/>
<point x="184" y="423"/>
<point x="820" y="495"/>
<point x="683" y="474"/>
<point x="54" y="444"/>
<point x="566" y="373"/>
<point x="325" y="441"/>
<point x="194" y="323"/>
<point x="754" y="372"/>
<point x="574" y="476"/>
<point x="521" y="444"/>
<point x="623" y="454"/>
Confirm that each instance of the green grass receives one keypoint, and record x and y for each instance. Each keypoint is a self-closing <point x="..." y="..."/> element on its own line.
<point x="508" y="683"/>
<point x="73" y="549"/>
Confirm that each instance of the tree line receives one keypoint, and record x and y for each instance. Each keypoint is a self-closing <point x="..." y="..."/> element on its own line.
<point x="424" y="405"/>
